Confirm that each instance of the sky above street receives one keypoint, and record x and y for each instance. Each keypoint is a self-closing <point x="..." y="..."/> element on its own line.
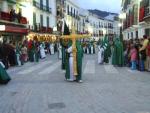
<point x="104" y="5"/>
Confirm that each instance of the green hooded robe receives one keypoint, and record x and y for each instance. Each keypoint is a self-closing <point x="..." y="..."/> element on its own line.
<point x="79" y="61"/>
<point x="117" y="58"/>
<point x="4" y="77"/>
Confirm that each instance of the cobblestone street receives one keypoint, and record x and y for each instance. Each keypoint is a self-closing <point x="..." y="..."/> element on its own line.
<point x="41" y="88"/>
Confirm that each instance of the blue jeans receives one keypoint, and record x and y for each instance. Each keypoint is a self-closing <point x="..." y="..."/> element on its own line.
<point x="133" y="65"/>
<point x="142" y="66"/>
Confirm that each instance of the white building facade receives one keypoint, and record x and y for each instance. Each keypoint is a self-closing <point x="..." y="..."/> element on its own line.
<point x="137" y="21"/>
<point x="13" y="22"/>
<point x="71" y="14"/>
<point x="99" y="27"/>
<point x="42" y="15"/>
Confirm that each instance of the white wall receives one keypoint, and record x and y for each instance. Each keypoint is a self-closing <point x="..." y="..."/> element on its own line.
<point x="71" y="20"/>
<point x="52" y="16"/>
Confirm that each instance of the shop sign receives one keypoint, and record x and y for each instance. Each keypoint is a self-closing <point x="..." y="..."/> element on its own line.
<point x="2" y="27"/>
<point x="15" y="29"/>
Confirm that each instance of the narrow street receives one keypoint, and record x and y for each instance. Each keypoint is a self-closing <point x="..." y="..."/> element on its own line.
<point x="41" y="88"/>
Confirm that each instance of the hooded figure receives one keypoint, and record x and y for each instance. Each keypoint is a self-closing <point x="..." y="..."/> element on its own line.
<point x="4" y="77"/>
<point x="117" y="58"/>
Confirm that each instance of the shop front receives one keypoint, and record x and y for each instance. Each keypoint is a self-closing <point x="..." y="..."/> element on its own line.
<point x="12" y="33"/>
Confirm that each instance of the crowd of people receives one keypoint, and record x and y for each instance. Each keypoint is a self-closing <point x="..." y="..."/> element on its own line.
<point x="88" y="47"/>
<point x="137" y="54"/>
<point x="134" y="53"/>
<point x="18" y="53"/>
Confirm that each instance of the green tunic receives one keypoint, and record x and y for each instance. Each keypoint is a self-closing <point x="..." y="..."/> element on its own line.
<point x="64" y="45"/>
<point x="63" y="58"/>
<point x="4" y="77"/>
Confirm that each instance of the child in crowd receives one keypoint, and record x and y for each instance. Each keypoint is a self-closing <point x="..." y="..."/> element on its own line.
<point x="133" y="57"/>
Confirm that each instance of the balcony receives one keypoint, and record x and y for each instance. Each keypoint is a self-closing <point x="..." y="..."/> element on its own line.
<point x="5" y="16"/>
<point x="36" y="4"/>
<point x="110" y="27"/>
<point x="48" y="9"/>
<point x="36" y="27"/>
<point x="42" y="29"/>
<point x="49" y="30"/>
<point x="77" y="17"/>
<point x="87" y="20"/>
<point x="147" y="12"/>
<point x="70" y="13"/>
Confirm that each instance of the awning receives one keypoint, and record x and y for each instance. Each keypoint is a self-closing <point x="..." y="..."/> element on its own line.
<point x="12" y="29"/>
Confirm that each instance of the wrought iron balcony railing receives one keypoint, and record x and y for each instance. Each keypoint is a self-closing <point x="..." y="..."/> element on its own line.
<point x="13" y="17"/>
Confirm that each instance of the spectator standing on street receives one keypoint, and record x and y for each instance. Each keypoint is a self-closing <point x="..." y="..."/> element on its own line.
<point x="142" y="57"/>
<point x="18" y="54"/>
<point x="24" y="52"/>
<point x="148" y="56"/>
<point x="143" y="49"/>
<point x="133" y="56"/>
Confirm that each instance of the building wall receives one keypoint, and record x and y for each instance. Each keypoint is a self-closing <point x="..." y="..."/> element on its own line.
<point x="70" y="20"/>
<point x="52" y="15"/>
<point x="138" y="27"/>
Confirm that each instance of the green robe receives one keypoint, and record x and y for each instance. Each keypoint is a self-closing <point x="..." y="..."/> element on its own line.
<point x="4" y="77"/>
<point x="64" y="46"/>
<point x="117" y="58"/>
<point x="63" y="58"/>
<point x="107" y="51"/>
<point x="79" y="61"/>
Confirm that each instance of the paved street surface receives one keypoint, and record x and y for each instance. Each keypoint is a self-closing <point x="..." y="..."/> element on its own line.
<point x="41" y="88"/>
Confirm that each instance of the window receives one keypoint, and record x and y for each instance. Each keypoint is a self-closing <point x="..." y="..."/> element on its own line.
<point x="68" y="9"/>
<point x="132" y="35"/>
<point x="74" y="13"/>
<point x="137" y="34"/>
<point x="47" y="3"/>
<point x="147" y="32"/>
<point x="41" y="4"/>
<point x="71" y="11"/>
<point x="34" y="18"/>
<point x="41" y="20"/>
<point x="47" y="21"/>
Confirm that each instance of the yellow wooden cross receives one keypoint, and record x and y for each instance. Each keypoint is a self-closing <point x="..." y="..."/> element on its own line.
<point x="74" y="37"/>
